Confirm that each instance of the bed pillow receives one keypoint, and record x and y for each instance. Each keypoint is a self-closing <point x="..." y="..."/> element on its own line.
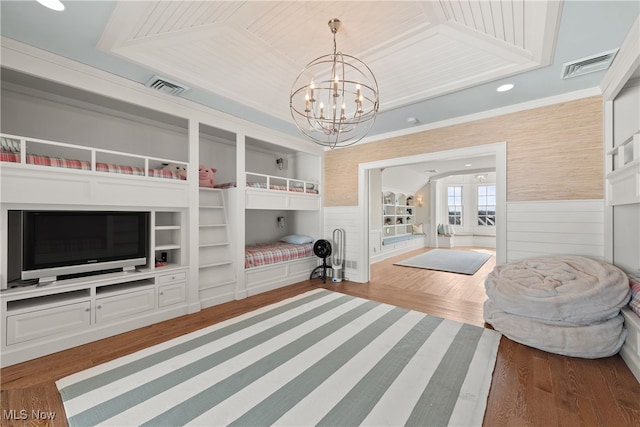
<point x="634" y="283"/>
<point x="297" y="239"/>
<point x="9" y="145"/>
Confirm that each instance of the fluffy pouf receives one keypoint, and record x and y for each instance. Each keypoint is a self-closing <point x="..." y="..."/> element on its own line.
<point x="562" y="304"/>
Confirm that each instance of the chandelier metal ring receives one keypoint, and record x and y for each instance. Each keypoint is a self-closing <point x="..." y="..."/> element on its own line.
<point x="334" y="100"/>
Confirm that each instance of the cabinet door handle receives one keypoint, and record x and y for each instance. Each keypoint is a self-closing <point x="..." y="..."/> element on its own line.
<point x="161" y="293"/>
<point x="99" y="307"/>
<point x="87" y="310"/>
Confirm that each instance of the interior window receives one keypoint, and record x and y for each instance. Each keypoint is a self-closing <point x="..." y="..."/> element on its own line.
<point x="454" y="201"/>
<point x="487" y="205"/>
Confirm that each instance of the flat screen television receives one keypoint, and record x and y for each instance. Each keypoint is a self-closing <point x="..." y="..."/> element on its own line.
<point x="64" y="243"/>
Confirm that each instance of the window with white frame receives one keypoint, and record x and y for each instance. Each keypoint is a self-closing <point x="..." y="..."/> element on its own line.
<point x="454" y="203"/>
<point x="487" y="205"/>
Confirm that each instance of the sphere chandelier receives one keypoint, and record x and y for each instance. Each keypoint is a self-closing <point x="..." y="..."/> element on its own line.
<point x="334" y="100"/>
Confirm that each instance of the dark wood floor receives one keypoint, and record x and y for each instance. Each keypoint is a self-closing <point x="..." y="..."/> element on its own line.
<point x="529" y="387"/>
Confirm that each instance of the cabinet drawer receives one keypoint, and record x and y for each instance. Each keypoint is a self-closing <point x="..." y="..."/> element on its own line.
<point x="173" y="277"/>
<point x="127" y="304"/>
<point x="45" y="323"/>
<point x="171" y="294"/>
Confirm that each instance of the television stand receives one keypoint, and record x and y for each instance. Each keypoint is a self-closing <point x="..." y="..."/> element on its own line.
<point x="40" y="320"/>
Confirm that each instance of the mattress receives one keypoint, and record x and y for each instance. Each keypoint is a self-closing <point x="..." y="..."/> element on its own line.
<point x="271" y="187"/>
<point x="59" y="162"/>
<point x="271" y="253"/>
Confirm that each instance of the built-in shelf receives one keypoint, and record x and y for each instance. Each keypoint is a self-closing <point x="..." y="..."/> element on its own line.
<point x="168" y="238"/>
<point x="398" y="214"/>
<point x="167" y="227"/>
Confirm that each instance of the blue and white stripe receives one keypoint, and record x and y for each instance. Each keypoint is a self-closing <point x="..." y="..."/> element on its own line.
<point x="321" y="358"/>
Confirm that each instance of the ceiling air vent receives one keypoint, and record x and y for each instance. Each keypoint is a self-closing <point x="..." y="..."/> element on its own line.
<point x="588" y="65"/>
<point x="162" y="84"/>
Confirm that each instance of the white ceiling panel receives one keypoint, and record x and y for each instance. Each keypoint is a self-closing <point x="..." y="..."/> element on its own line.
<point x="251" y="52"/>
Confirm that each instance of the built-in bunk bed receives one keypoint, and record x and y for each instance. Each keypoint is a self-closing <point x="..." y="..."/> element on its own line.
<point x="282" y="216"/>
<point x="273" y="203"/>
<point x="51" y="175"/>
<point x="61" y="311"/>
<point x="43" y="153"/>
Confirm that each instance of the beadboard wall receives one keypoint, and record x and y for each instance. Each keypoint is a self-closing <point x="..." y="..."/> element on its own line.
<point x="559" y="227"/>
<point x="348" y="219"/>
<point x="554" y="152"/>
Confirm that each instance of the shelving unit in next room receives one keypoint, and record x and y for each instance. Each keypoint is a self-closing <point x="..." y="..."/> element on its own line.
<point x="398" y="213"/>
<point x="216" y="267"/>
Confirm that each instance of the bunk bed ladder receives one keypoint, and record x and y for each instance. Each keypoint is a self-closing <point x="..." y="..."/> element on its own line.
<point x="217" y="276"/>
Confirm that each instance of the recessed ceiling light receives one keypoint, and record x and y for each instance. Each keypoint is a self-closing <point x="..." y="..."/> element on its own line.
<point x="52" y="4"/>
<point x="467" y="165"/>
<point x="505" y="87"/>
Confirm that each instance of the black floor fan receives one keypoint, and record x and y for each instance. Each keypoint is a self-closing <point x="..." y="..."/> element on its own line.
<point x="322" y="249"/>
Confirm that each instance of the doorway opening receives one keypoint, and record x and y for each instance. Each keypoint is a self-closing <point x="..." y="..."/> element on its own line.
<point x="497" y="151"/>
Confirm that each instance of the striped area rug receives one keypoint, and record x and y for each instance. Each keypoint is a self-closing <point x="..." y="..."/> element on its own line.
<point x="320" y="358"/>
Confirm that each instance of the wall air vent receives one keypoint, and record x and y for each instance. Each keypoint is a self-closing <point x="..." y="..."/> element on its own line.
<point x="162" y="84"/>
<point x="587" y="65"/>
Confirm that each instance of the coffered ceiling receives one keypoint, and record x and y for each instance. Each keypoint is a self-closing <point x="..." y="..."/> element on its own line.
<point x="251" y="52"/>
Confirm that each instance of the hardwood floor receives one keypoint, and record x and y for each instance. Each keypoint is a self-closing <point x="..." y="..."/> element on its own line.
<point x="529" y="387"/>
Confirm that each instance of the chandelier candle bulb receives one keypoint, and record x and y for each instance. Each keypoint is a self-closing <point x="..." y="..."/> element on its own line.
<point x="311" y="88"/>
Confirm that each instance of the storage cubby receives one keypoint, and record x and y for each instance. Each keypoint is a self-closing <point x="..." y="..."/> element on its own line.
<point x="123" y="287"/>
<point x="397" y="214"/>
<point x="44" y="301"/>
<point x="168" y="238"/>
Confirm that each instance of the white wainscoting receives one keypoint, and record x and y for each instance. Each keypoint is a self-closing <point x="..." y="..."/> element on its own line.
<point x="574" y="227"/>
<point x="347" y="218"/>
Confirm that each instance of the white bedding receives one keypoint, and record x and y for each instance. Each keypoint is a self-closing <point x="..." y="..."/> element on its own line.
<point x="563" y="304"/>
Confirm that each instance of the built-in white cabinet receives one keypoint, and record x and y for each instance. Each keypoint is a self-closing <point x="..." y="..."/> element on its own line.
<point x="42" y="320"/>
<point x="124" y="304"/>
<point x="621" y="95"/>
<point x="195" y="252"/>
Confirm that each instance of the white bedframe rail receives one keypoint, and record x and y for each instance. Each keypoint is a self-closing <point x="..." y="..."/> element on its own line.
<point x="54" y="178"/>
<point x="270" y="182"/>
<point x="41" y="147"/>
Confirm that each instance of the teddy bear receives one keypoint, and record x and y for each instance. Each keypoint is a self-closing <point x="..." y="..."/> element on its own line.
<point x="181" y="170"/>
<point x="206" y="175"/>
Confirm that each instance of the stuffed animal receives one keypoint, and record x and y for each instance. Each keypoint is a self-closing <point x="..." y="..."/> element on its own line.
<point x="177" y="168"/>
<point x="206" y="175"/>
